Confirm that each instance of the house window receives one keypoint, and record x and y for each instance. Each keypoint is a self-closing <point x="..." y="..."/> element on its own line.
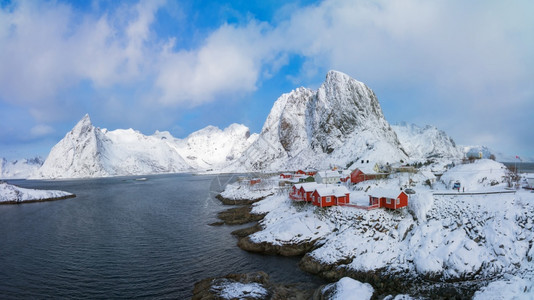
<point x="388" y="201"/>
<point x="328" y="199"/>
<point x="398" y="201"/>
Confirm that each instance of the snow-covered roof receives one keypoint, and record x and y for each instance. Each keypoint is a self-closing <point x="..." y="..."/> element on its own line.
<point x="332" y="190"/>
<point x="365" y="168"/>
<point x="345" y="173"/>
<point x="310" y="186"/>
<point x="328" y="174"/>
<point x="388" y="193"/>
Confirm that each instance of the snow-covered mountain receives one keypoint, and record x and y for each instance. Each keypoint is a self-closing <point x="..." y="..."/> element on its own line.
<point x="19" y="169"/>
<point x="426" y="143"/>
<point x="88" y="151"/>
<point x="211" y="147"/>
<point x="338" y="124"/>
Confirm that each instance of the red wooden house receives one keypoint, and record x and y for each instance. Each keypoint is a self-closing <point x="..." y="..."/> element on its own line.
<point x="303" y="191"/>
<point x="365" y="172"/>
<point x="307" y="172"/>
<point x="255" y="181"/>
<point x="388" y="198"/>
<point x="330" y="195"/>
<point x="286" y="176"/>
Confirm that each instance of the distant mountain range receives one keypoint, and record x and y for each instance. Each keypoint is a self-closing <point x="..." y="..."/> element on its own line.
<point x="336" y="125"/>
<point x="19" y="169"/>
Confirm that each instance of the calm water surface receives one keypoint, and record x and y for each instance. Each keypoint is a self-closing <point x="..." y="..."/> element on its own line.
<point x="122" y="238"/>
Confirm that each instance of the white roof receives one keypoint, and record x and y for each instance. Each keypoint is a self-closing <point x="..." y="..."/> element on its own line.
<point x="326" y="174"/>
<point x="332" y="190"/>
<point x="365" y="168"/>
<point x="379" y="193"/>
<point x="308" y="186"/>
<point x="346" y="173"/>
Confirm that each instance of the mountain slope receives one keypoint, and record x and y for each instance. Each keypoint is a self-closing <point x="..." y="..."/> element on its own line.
<point x="425" y="143"/>
<point x="338" y="124"/>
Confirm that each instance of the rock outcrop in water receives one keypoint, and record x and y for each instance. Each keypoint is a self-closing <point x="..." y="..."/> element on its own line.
<point x="255" y="285"/>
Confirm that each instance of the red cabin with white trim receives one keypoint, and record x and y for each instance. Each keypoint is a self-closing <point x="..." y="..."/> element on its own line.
<point x="303" y="191"/>
<point x="388" y="199"/>
<point x="330" y="195"/>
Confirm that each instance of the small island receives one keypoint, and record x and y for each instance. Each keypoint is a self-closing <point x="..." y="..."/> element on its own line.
<point x="12" y="194"/>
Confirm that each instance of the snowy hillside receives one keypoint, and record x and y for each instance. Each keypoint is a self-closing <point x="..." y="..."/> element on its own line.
<point x="426" y="143"/>
<point x="88" y="151"/>
<point x="481" y="174"/>
<point x="338" y="124"/>
<point x="19" y="169"/>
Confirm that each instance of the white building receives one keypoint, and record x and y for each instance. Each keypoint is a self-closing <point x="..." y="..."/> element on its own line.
<point x="327" y="177"/>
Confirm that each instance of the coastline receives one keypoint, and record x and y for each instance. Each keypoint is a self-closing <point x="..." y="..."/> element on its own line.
<point x="38" y="200"/>
<point x="384" y="283"/>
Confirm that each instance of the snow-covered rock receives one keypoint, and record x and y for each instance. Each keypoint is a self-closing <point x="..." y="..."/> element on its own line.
<point x="337" y="124"/>
<point x="13" y="194"/>
<point x="238" y="290"/>
<point x="19" y="169"/>
<point x="513" y="287"/>
<point x="88" y="151"/>
<point x="347" y="288"/>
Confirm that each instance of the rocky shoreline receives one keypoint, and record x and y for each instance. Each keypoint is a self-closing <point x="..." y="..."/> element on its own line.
<point x="38" y="200"/>
<point x="383" y="282"/>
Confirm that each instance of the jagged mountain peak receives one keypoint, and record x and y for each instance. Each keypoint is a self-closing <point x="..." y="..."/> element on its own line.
<point x="83" y="126"/>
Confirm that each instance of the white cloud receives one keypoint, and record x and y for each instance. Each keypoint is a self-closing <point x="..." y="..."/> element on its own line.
<point x="41" y="130"/>
<point x="229" y="62"/>
<point x="48" y="48"/>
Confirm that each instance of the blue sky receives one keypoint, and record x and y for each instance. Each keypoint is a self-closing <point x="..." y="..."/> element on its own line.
<point x="465" y="67"/>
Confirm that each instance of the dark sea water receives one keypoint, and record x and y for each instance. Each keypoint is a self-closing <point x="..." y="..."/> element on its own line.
<point x="522" y="167"/>
<point x="122" y="238"/>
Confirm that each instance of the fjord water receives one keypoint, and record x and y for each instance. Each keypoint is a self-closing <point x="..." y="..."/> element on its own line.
<point x="125" y="238"/>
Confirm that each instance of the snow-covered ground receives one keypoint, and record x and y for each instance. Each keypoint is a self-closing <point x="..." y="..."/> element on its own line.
<point x="443" y="237"/>
<point x="13" y="194"/>
<point x="479" y="175"/>
<point x="242" y="190"/>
